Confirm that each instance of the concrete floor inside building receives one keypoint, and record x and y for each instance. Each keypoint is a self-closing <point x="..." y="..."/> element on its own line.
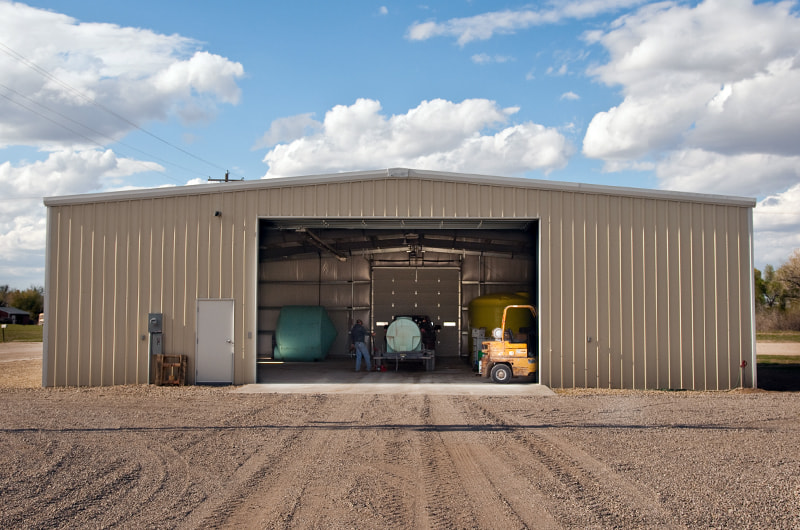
<point x="452" y="376"/>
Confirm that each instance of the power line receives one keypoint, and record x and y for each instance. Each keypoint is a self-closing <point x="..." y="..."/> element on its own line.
<point x="79" y="134"/>
<point x="41" y="71"/>
<point x="95" y="131"/>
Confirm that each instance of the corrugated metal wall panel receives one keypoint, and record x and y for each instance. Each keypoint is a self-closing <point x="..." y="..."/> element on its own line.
<point x="579" y="281"/>
<point x="103" y="338"/>
<point x="746" y="305"/>
<point x="552" y="303"/>
<point x="599" y="347"/>
<point x="95" y="298"/>
<point x="626" y="294"/>
<point x="698" y="280"/>
<point x="675" y="294"/>
<point x="568" y="289"/>
<point x="83" y="290"/>
<point x="640" y="292"/>
<point x="614" y="338"/>
<point x="738" y="311"/>
<point x="661" y="305"/>
<point x="721" y="365"/>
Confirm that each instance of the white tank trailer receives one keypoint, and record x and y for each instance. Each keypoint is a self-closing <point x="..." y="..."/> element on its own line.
<point x="411" y="338"/>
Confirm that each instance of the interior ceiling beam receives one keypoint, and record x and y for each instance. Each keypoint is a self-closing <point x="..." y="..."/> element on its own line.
<point x="277" y="241"/>
<point x="316" y="240"/>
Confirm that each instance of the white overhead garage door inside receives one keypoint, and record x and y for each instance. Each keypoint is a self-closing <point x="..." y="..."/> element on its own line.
<point x="432" y="292"/>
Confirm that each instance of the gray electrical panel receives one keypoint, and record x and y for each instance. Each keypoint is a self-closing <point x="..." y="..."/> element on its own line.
<point x="155" y="322"/>
<point x="155" y="325"/>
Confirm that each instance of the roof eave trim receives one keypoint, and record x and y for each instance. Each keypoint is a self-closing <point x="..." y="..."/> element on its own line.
<point x="398" y="173"/>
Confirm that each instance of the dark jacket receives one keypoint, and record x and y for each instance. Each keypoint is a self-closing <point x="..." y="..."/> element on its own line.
<point x="358" y="333"/>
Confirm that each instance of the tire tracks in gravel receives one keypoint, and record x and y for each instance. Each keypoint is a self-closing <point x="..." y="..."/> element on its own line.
<point x="81" y="487"/>
<point x="442" y="500"/>
<point x="147" y="480"/>
<point x="268" y="490"/>
<point x="597" y="494"/>
<point x="165" y="485"/>
<point x="189" y="484"/>
<point x="504" y="498"/>
<point x="384" y="490"/>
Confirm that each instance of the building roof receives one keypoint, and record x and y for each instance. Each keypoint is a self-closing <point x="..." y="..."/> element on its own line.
<point x="13" y="311"/>
<point x="397" y="173"/>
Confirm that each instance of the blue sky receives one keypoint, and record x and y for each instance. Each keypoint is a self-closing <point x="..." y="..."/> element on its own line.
<point x="688" y="96"/>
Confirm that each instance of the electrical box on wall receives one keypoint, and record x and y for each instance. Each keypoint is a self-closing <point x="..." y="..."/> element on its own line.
<point x="155" y="323"/>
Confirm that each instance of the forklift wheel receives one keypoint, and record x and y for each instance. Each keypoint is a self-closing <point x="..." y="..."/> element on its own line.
<point x="501" y="373"/>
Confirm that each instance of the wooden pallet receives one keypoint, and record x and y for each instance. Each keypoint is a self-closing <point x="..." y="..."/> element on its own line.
<point x="170" y="369"/>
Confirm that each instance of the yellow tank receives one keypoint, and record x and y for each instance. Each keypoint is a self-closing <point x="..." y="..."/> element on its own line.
<point x="487" y="312"/>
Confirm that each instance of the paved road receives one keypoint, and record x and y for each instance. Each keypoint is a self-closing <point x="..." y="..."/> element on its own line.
<point x="23" y="351"/>
<point x="20" y="351"/>
<point x="778" y="348"/>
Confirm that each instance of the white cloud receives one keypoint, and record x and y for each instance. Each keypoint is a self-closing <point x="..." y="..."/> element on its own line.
<point x="487" y="25"/>
<point x="749" y="174"/>
<point x="135" y="72"/>
<point x="68" y="172"/>
<point x="204" y="73"/>
<point x="287" y="129"/>
<point x="779" y="212"/>
<point x="723" y="76"/>
<point x="776" y="220"/>
<point x="383" y="10"/>
<point x="571" y="96"/>
<point x="472" y="136"/>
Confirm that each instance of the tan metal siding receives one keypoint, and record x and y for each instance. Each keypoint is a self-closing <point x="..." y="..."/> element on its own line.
<point x="568" y="288"/>
<point x="616" y="330"/>
<point x="579" y="296"/>
<point x="661" y="305"/>
<point x="602" y="334"/>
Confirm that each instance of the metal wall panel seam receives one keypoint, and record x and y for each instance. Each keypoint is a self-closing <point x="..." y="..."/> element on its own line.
<point x="92" y="296"/>
<point x="73" y="346"/>
<point x="751" y="282"/>
<point x="48" y="284"/>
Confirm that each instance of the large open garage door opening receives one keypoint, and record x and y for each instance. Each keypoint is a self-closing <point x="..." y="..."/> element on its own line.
<point x="378" y="269"/>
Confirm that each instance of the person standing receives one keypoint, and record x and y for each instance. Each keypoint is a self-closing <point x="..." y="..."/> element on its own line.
<point x="358" y="335"/>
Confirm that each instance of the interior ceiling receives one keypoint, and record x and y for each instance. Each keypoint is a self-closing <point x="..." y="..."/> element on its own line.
<point x="298" y="238"/>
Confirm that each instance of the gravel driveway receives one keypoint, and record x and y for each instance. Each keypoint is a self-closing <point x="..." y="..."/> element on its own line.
<point x="196" y="457"/>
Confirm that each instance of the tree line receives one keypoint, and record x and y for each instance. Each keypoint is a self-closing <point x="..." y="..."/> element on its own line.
<point x="777" y="294"/>
<point x="30" y="299"/>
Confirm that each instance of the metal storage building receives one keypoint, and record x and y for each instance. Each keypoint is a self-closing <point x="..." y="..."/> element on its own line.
<point x="634" y="288"/>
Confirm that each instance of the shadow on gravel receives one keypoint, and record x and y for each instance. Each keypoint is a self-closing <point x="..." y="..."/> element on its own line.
<point x="779" y="377"/>
<point x="346" y="426"/>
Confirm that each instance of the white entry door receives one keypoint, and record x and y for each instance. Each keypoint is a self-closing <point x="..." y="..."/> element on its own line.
<point x="214" y="355"/>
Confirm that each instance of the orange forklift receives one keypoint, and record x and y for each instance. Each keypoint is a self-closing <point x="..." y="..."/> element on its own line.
<point x="507" y="356"/>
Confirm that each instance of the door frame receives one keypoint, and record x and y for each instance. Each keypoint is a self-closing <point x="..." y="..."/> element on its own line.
<point x="197" y="357"/>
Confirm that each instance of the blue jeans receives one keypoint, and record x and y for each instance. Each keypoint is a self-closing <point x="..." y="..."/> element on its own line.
<point x="361" y="351"/>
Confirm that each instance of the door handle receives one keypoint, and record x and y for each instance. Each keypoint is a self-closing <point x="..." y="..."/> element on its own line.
<point x="229" y="341"/>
